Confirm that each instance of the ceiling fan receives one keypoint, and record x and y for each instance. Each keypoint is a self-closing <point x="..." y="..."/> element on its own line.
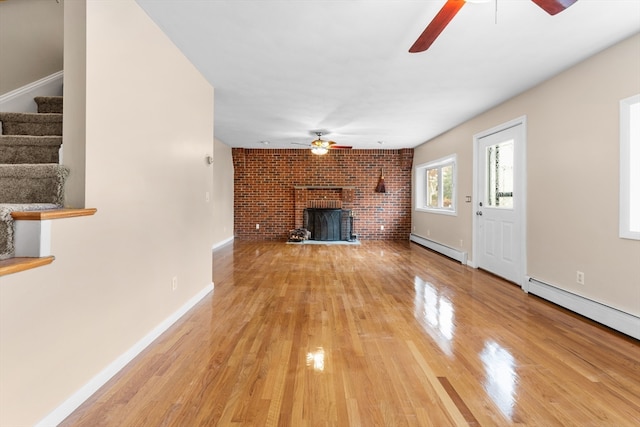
<point x="451" y="8"/>
<point x="320" y="146"/>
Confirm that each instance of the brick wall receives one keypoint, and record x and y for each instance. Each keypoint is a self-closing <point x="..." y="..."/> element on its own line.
<point x="272" y="188"/>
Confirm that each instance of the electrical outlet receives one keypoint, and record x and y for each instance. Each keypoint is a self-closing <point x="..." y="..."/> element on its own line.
<point x="257" y="226"/>
<point x="382" y="228"/>
<point x="461" y="243"/>
<point x="206" y="196"/>
<point x="580" y="277"/>
<point x="428" y="233"/>
<point x="174" y="283"/>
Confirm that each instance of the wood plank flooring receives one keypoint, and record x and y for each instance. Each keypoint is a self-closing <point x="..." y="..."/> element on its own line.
<point x="381" y="334"/>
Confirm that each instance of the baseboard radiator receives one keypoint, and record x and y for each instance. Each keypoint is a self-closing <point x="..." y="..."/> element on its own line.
<point x="447" y="251"/>
<point x="615" y="319"/>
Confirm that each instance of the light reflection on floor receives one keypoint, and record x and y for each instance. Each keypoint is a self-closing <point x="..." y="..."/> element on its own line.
<point x="501" y="377"/>
<point x="316" y="359"/>
<point x="435" y="313"/>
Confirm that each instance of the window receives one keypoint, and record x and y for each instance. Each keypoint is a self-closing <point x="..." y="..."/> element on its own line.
<point x="629" y="171"/>
<point x="436" y="186"/>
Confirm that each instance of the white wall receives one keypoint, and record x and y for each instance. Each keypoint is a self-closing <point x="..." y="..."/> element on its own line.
<point x="74" y="130"/>
<point x="572" y="177"/>
<point x="223" y="193"/>
<point x="149" y="126"/>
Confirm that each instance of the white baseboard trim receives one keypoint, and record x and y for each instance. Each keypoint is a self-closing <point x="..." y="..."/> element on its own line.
<point x="452" y="253"/>
<point x="615" y="319"/>
<point x="80" y="396"/>
<point x="222" y="243"/>
<point x="21" y="100"/>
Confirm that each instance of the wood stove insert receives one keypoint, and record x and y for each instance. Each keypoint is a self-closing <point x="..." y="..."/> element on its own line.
<point x="329" y="224"/>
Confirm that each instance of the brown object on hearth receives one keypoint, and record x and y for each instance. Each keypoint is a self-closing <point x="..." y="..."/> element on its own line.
<point x="380" y="188"/>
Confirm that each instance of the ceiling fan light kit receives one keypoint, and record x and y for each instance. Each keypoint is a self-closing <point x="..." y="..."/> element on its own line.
<point x="319" y="151"/>
<point x="321" y="147"/>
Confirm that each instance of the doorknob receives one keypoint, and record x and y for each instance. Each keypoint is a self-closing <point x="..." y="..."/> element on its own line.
<point x="479" y="213"/>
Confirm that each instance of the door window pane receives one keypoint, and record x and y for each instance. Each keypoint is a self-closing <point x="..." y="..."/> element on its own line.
<point x="500" y="175"/>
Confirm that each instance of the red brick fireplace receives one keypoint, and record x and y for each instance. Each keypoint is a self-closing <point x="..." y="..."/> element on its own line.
<point x="273" y="188"/>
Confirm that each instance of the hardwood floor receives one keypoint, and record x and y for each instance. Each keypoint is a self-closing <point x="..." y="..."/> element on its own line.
<point x="382" y="334"/>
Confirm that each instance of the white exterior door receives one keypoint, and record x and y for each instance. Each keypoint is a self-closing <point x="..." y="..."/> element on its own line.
<point x="499" y="214"/>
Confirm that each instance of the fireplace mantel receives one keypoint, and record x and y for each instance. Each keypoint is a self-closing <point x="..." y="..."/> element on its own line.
<point x="323" y="187"/>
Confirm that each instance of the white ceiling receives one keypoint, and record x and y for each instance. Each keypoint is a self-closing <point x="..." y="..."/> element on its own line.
<point x="282" y="69"/>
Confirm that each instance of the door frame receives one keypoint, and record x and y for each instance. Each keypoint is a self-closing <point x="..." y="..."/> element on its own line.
<point x="520" y="186"/>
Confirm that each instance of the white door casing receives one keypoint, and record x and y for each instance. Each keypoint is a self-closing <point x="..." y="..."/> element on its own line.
<point x="499" y="187"/>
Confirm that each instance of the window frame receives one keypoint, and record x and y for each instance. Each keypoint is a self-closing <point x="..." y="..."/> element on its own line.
<point x="626" y="161"/>
<point x="421" y="186"/>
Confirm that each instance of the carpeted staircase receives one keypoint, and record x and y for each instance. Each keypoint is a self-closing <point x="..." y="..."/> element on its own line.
<point x="31" y="177"/>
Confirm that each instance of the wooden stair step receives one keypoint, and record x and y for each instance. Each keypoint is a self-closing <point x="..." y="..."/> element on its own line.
<point x="15" y="265"/>
<point x="52" y="214"/>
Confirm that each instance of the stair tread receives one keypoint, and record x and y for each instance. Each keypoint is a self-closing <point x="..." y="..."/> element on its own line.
<point x="15" y="265"/>
<point x="31" y="117"/>
<point x="43" y="215"/>
<point x="33" y="183"/>
<point x="29" y="149"/>
<point x="47" y="98"/>
<point x="26" y="149"/>
<point x="37" y="170"/>
<point x="49" y="104"/>
<point x="31" y="139"/>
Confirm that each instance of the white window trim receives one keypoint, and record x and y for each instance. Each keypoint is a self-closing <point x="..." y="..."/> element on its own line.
<point x="420" y="181"/>
<point x="625" y="167"/>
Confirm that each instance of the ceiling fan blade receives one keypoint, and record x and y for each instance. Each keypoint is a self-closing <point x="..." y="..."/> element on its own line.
<point x="435" y="27"/>
<point x="341" y="147"/>
<point x="553" y="7"/>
